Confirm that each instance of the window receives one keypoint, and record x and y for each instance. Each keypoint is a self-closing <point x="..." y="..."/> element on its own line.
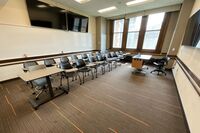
<point x="154" y="25"/>
<point x="76" y="24"/>
<point x="118" y="33"/>
<point x="133" y="32"/>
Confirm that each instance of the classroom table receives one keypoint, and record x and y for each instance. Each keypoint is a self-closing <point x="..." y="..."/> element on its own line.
<point x="46" y="72"/>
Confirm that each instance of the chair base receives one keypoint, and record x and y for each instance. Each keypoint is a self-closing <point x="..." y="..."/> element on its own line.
<point x="159" y="71"/>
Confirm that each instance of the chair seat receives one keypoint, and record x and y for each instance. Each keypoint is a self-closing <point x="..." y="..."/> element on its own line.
<point x="84" y="69"/>
<point x="40" y="82"/>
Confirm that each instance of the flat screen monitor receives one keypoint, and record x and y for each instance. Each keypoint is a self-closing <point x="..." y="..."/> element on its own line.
<point x="192" y="33"/>
<point x="77" y="23"/>
<point x="44" y="15"/>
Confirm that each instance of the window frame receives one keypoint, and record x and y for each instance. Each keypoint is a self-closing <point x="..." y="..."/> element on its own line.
<point x="142" y="31"/>
<point x="133" y="49"/>
<point x="113" y="32"/>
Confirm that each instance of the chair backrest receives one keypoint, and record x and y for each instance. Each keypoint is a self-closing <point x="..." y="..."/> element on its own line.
<point x="64" y="59"/>
<point x="80" y="63"/>
<point x="113" y="54"/>
<point x="36" y="67"/>
<point x="29" y="63"/>
<point x="65" y="65"/>
<point x="84" y="56"/>
<point x="74" y="57"/>
<point x="49" y="62"/>
<point x="92" y="59"/>
<point x="117" y="53"/>
<point x="121" y="52"/>
<point x="107" y="55"/>
<point x="100" y="57"/>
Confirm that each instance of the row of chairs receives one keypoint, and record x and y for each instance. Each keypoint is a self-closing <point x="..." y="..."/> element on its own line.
<point x="98" y="60"/>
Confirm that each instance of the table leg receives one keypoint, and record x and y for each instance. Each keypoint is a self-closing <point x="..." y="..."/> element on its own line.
<point x="50" y="86"/>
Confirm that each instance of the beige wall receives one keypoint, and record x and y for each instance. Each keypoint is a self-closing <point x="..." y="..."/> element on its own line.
<point x="189" y="97"/>
<point x="180" y="27"/>
<point x="101" y="33"/>
<point x="18" y="37"/>
<point x="170" y="31"/>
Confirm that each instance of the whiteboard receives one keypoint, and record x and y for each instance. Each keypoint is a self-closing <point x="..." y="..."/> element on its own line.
<point x="15" y="41"/>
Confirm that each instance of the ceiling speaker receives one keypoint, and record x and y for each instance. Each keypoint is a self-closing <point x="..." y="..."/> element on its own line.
<point x="2" y="3"/>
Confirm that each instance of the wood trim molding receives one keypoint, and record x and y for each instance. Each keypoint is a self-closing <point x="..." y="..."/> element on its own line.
<point x="194" y="80"/>
<point x="15" y="61"/>
<point x="142" y="32"/>
<point x="163" y="32"/>
<point x="125" y="33"/>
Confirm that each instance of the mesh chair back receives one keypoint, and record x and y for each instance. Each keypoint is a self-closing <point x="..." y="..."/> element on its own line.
<point x="65" y="65"/>
<point x="74" y="57"/>
<point x="100" y="58"/>
<point x="29" y="63"/>
<point x="92" y="59"/>
<point x="80" y="63"/>
<point x="36" y="67"/>
<point x="64" y="59"/>
<point x="84" y="56"/>
<point x="49" y="62"/>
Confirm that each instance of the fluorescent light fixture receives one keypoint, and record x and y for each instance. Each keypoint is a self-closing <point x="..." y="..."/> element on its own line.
<point x="137" y="2"/>
<point x="107" y="9"/>
<point x="82" y="1"/>
<point x="41" y="6"/>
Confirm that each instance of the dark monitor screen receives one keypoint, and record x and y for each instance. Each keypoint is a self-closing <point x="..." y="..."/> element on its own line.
<point x="192" y="33"/>
<point x="43" y="15"/>
<point x="77" y="22"/>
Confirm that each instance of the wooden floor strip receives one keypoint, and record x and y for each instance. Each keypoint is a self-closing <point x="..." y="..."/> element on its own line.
<point x="117" y="99"/>
<point x="62" y="115"/>
<point x="146" y="97"/>
<point x="37" y="115"/>
<point x="77" y="108"/>
<point x="13" y="110"/>
<point x="112" y="130"/>
<point x="118" y="110"/>
<point x="7" y="90"/>
<point x="55" y="105"/>
<point x="176" y="115"/>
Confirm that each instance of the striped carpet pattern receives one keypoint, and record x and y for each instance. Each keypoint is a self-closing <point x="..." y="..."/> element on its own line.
<point x="117" y="102"/>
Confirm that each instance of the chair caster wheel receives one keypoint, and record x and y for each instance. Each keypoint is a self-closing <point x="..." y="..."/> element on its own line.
<point x="33" y="93"/>
<point x="37" y="98"/>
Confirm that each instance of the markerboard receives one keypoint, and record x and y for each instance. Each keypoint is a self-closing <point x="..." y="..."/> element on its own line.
<point x="15" y="41"/>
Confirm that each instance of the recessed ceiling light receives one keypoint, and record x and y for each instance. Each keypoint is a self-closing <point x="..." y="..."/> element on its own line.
<point x="63" y="11"/>
<point x="41" y="6"/>
<point x="82" y="1"/>
<point x="137" y="2"/>
<point x="107" y="9"/>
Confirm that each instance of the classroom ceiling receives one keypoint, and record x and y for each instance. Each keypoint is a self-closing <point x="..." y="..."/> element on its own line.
<point x="92" y="7"/>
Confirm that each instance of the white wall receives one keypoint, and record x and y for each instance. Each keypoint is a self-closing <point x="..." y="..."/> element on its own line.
<point x="189" y="97"/>
<point x="17" y="37"/>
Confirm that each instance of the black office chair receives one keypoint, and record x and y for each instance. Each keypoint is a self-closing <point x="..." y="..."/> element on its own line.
<point x="25" y="68"/>
<point x="74" y="58"/>
<point x="41" y="83"/>
<point x="49" y="62"/>
<point x="67" y="65"/>
<point x="64" y="59"/>
<point x="85" y="58"/>
<point x="104" y="63"/>
<point x="92" y="59"/>
<point x="160" y="65"/>
<point x="80" y="64"/>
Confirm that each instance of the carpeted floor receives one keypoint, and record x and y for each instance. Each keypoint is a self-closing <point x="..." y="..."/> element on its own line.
<point x="117" y="102"/>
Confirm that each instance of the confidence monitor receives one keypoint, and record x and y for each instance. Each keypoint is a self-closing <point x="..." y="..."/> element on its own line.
<point x="77" y="23"/>
<point x="44" y="15"/>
